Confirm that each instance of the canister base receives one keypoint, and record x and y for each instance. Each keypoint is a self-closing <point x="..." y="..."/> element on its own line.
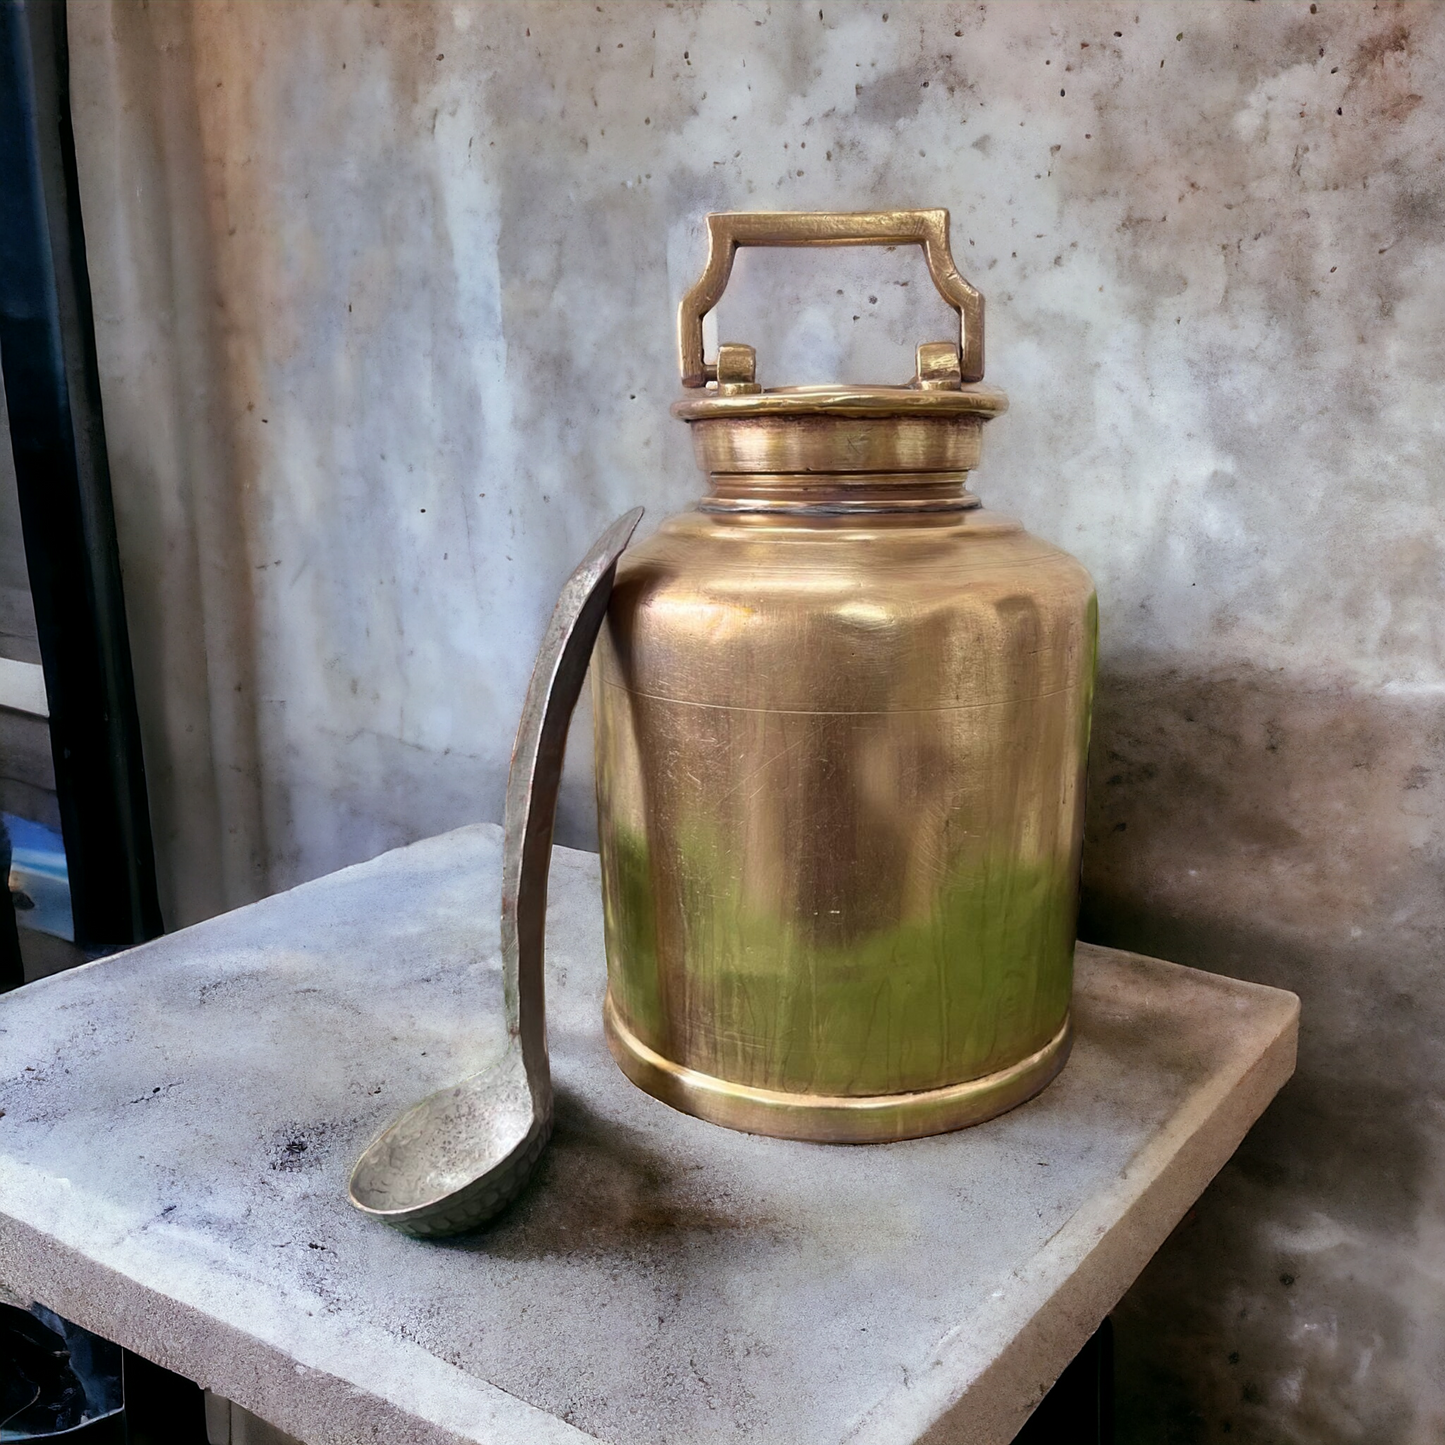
<point x="834" y="1118"/>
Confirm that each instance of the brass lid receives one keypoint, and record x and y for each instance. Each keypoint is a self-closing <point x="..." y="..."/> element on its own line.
<point x="841" y="400"/>
<point x="945" y="395"/>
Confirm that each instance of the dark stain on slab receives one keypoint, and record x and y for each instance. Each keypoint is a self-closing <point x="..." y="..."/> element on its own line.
<point x="299" y="1148"/>
<point x="602" y="1188"/>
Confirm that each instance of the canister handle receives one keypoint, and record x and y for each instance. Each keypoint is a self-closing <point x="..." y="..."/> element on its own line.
<point x="727" y="230"/>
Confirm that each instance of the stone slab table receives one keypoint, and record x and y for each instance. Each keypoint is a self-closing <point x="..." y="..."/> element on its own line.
<point x="179" y="1121"/>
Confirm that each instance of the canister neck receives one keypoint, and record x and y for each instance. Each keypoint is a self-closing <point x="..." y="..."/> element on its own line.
<point x="838" y="493"/>
<point x="834" y="461"/>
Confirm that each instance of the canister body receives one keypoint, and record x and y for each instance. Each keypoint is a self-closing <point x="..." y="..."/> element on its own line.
<point x="840" y="784"/>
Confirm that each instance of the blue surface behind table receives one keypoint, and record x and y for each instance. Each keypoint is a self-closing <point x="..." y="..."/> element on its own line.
<point x="38" y="871"/>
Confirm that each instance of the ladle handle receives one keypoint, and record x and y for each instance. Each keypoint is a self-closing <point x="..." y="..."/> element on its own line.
<point x="727" y="230"/>
<point x="532" y="784"/>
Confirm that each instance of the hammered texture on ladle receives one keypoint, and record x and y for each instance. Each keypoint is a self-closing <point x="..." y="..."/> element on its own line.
<point x="460" y="1156"/>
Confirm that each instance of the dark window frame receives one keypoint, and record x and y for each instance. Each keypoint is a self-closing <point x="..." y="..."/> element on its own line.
<point x="57" y="434"/>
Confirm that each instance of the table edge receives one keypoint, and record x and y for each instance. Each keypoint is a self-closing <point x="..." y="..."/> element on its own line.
<point x="1023" y="1352"/>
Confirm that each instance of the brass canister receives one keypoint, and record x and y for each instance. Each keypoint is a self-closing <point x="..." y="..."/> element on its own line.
<point x="842" y="716"/>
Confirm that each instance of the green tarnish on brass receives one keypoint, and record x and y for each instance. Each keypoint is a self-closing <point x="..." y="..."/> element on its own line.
<point x="958" y="994"/>
<point x="629" y="925"/>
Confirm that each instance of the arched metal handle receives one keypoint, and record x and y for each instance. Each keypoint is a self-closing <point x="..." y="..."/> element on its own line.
<point x="727" y="230"/>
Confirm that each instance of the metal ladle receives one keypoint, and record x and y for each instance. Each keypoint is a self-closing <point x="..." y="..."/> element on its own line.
<point x="451" y="1162"/>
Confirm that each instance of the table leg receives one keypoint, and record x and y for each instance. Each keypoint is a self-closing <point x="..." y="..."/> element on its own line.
<point x="1079" y="1410"/>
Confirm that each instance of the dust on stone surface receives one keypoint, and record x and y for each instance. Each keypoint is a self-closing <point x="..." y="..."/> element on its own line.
<point x="299" y="1148"/>
<point x="601" y="1189"/>
<point x="663" y="1279"/>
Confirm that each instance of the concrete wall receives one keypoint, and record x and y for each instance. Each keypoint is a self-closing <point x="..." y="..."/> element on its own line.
<point x="385" y="299"/>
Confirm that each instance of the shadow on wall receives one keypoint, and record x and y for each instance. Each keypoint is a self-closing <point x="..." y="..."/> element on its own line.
<point x="1291" y="834"/>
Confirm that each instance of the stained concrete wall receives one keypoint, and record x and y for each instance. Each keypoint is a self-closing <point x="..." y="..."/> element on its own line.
<point x="385" y="297"/>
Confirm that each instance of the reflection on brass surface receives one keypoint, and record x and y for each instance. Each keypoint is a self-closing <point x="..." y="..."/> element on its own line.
<point x="834" y="1118"/>
<point x="841" y="715"/>
<point x="834" y="444"/>
<point x="838" y="495"/>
